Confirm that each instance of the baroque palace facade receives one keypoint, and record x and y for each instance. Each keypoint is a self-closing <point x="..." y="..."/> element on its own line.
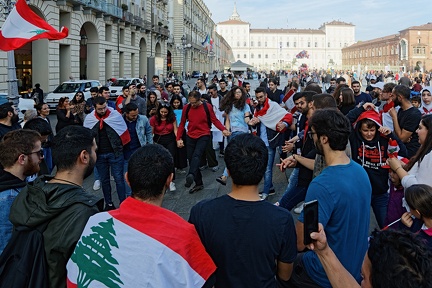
<point x="271" y="49"/>
<point x="409" y="50"/>
<point x="118" y="38"/>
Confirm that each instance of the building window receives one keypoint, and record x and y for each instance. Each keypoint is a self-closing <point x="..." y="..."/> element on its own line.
<point x="238" y="43"/>
<point x="252" y="56"/>
<point x="244" y="56"/>
<point x="419" y="50"/>
<point x="251" y="43"/>
<point x="259" y="43"/>
<point x="266" y="56"/>
<point x="244" y="44"/>
<point x="328" y="44"/>
<point x="238" y="56"/>
<point x="259" y="56"/>
<point x="295" y="44"/>
<point x="287" y="44"/>
<point x="316" y="44"/>
<point x="308" y="44"/>
<point x="265" y="44"/>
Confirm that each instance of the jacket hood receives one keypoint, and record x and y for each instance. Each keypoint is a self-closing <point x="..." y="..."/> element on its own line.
<point x="10" y="181"/>
<point x="41" y="201"/>
<point x="371" y="115"/>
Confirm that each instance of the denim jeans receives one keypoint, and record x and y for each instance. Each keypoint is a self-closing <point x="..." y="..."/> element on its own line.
<point x="96" y="174"/>
<point x="268" y="176"/>
<point x="292" y="196"/>
<point x="6" y="199"/>
<point x="103" y="164"/>
<point x="128" y="190"/>
<point x="379" y="206"/>
<point x="48" y="158"/>
<point x="293" y="180"/>
<point x="233" y="134"/>
<point x="195" y="149"/>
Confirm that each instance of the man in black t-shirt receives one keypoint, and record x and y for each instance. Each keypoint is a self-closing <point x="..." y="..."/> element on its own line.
<point x="406" y="120"/>
<point x="251" y="241"/>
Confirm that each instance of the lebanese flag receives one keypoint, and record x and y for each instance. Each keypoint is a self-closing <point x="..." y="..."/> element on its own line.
<point x="139" y="245"/>
<point x="272" y="113"/>
<point x="113" y="119"/>
<point x="23" y="26"/>
<point x="289" y="102"/>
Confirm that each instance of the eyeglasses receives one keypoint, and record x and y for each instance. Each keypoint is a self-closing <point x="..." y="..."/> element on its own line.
<point x="165" y="105"/>
<point x="40" y="153"/>
<point x="310" y="134"/>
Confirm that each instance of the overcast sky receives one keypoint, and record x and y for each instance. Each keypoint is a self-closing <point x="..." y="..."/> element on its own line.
<point x="372" y="18"/>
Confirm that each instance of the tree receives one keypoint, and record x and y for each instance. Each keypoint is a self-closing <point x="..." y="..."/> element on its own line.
<point x="94" y="259"/>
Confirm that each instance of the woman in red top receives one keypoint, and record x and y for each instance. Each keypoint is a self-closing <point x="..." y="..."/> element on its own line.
<point x="164" y="127"/>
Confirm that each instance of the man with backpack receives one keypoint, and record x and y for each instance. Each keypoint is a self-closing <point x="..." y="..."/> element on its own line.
<point x="58" y="207"/>
<point x="198" y="135"/>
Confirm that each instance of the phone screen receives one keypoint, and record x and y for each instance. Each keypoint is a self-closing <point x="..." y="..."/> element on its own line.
<point x="310" y="213"/>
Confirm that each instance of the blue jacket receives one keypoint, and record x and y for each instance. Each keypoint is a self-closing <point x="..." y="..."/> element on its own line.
<point x="144" y="130"/>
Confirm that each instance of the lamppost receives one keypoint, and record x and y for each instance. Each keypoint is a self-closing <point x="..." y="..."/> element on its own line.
<point x="6" y="7"/>
<point x="184" y="46"/>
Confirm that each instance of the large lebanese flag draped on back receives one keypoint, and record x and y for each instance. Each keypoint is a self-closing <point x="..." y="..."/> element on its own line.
<point x="139" y="245"/>
<point x="23" y="26"/>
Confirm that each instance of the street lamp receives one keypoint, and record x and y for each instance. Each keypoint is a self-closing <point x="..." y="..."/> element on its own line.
<point x="184" y="46"/>
<point x="83" y="41"/>
<point x="6" y="7"/>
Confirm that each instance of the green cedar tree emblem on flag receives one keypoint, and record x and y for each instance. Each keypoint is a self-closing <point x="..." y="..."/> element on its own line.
<point x="38" y="31"/>
<point x="94" y="259"/>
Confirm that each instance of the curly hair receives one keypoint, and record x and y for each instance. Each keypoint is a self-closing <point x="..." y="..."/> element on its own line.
<point x="399" y="259"/>
<point x="229" y="100"/>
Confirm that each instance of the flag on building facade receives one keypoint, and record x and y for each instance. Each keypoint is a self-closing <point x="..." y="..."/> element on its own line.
<point x="302" y="54"/>
<point x="23" y="26"/>
<point x="208" y="43"/>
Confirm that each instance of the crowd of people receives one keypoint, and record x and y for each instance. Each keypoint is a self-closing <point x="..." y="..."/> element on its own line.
<point x="351" y="151"/>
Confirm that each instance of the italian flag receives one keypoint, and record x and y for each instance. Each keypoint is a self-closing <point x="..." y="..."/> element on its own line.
<point x="139" y="245"/>
<point x="23" y="26"/>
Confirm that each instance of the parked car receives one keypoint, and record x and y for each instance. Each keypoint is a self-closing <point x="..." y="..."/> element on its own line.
<point x="196" y="74"/>
<point x="68" y="89"/>
<point x="117" y="86"/>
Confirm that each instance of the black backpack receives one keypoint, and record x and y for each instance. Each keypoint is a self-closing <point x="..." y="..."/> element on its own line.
<point x="206" y="111"/>
<point x="23" y="263"/>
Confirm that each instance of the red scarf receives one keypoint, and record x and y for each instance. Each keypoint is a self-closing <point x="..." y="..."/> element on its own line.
<point x="101" y="119"/>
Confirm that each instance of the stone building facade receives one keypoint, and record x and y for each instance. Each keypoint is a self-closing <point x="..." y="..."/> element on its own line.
<point x="409" y="50"/>
<point x="270" y="49"/>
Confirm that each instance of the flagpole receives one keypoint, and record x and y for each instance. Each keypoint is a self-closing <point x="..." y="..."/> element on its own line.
<point x="7" y="7"/>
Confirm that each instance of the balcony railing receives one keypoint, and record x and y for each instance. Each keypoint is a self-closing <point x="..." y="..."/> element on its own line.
<point x="164" y="31"/>
<point x="128" y="17"/>
<point x="138" y="21"/>
<point x="102" y="6"/>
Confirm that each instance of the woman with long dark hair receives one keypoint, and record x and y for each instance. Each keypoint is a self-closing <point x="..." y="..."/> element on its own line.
<point x="164" y="127"/>
<point x="346" y="100"/>
<point x="152" y="104"/>
<point x="180" y="159"/>
<point x="417" y="171"/>
<point x="237" y="114"/>
<point x="65" y="117"/>
<point x="78" y="104"/>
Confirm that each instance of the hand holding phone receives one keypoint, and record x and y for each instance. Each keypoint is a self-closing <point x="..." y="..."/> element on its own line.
<point x="310" y="213"/>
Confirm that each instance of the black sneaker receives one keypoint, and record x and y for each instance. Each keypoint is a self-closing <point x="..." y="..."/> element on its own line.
<point x="271" y="192"/>
<point x="196" y="188"/>
<point x="189" y="180"/>
<point x="109" y="207"/>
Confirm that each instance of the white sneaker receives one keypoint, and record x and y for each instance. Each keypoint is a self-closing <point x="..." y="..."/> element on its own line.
<point x="96" y="185"/>
<point x="172" y="187"/>
<point x="298" y="210"/>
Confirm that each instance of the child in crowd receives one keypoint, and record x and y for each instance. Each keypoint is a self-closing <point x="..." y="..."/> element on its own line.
<point x="416" y="101"/>
<point x="395" y="207"/>
<point x="419" y="200"/>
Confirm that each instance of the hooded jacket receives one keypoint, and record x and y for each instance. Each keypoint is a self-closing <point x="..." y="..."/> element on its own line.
<point x="10" y="186"/>
<point x="372" y="155"/>
<point x="67" y="208"/>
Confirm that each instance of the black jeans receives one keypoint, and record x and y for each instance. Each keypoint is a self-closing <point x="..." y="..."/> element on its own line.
<point x="299" y="277"/>
<point x="195" y="149"/>
<point x="209" y="156"/>
<point x="169" y="142"/>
